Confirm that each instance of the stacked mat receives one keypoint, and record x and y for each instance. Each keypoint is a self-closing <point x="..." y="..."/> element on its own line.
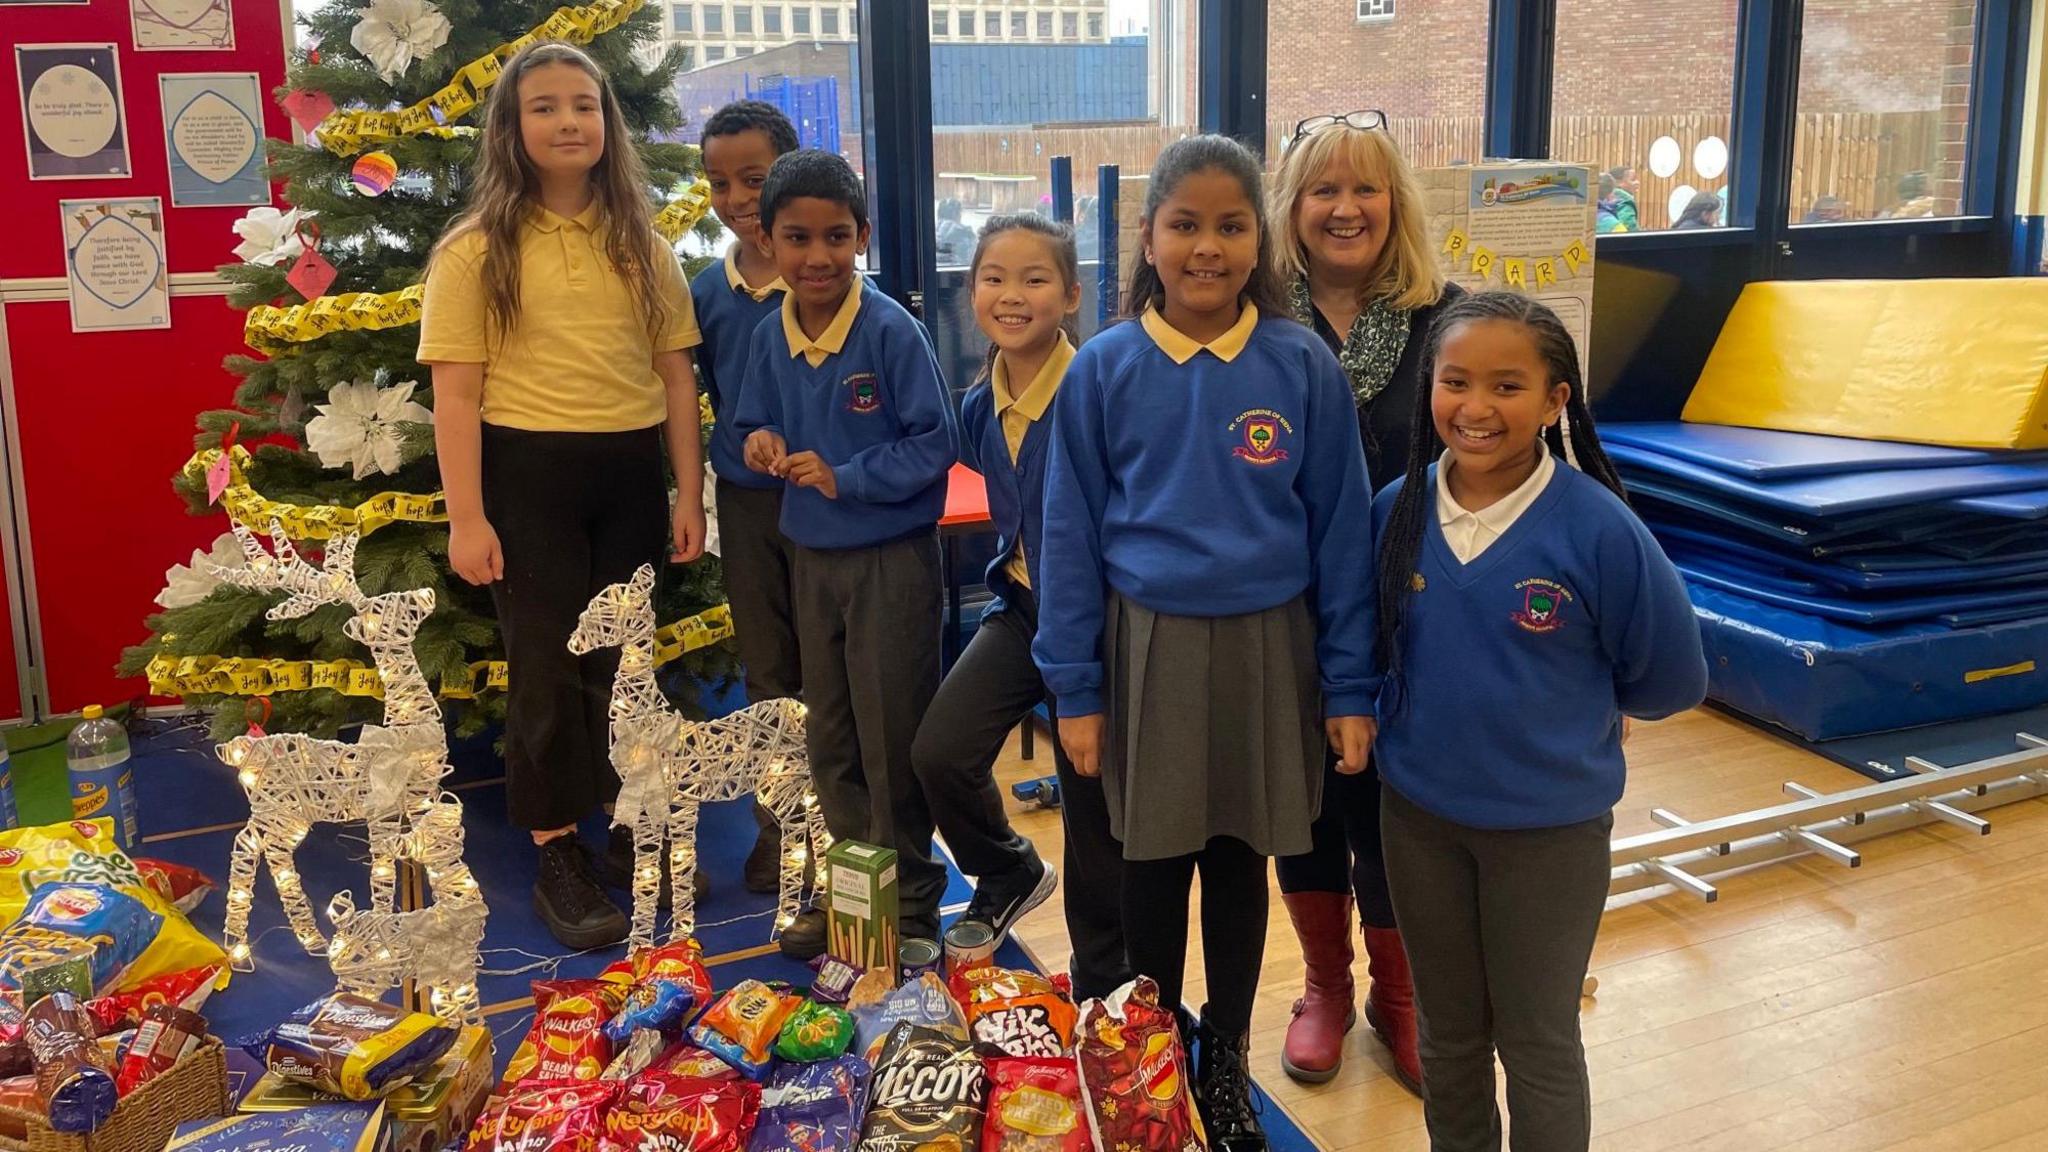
<point x="1848" y="586"/>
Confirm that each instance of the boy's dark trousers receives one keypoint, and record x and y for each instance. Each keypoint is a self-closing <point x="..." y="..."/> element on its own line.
<point x="1499" y="926"/>
<point x="990" y="690"/>
<point x="574" y="512"/>
<point x="757" y="559"/>
<point x="867" y="624"/>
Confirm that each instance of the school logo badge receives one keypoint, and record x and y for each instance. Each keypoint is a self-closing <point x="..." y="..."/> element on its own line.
<point x="863" y="393"/>
<point x="1261" y="430"/>
<point x="1543" y="604"/>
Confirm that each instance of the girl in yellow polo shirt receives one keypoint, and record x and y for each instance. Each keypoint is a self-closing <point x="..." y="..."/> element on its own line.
<point x="558" y="326"/>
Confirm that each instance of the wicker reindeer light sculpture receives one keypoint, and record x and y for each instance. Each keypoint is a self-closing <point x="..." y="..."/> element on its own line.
<point x="668" y="766"/>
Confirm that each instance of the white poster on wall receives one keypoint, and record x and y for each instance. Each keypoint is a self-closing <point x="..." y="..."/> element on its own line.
<point x="114" y="259"/>
<point x="182" y="25"/>
<point x="213" y="131"/>
<point x="71" y="111"/>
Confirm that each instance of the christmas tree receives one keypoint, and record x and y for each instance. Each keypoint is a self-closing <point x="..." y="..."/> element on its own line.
<point x="335" y="420"/>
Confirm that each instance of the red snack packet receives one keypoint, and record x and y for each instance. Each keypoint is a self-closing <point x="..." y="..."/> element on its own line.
<point x="677" y="962"/>
<point x="567" y="1040"/>
<point x="690" y="1062"/>
<point x="1034" y="1105"/>
<point x="1134" y="1074"/>
<point x="166" y="1036"/>
<point x="662" y="1113"/>
<point x="183" y="888"/>
<point x="1017" y="1013"/>
<point x="545" y="1117"/>
<point x="122" y="1010"/>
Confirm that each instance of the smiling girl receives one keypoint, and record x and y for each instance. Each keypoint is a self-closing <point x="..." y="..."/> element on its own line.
<point x="1207" y="609"/>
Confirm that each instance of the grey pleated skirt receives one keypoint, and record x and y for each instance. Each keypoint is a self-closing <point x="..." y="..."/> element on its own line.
<point x="1214" y="729"/>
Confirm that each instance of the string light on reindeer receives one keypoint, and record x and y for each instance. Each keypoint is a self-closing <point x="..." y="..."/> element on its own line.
<point x="389" y="779"/>
<point x="669" y="766"/>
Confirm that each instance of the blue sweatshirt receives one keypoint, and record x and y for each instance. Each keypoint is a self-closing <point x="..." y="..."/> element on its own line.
<point x="1206" y="481"/>
<point x="727" y="314"/>
<point x="1518" y="667"/>
<point x="1016" y="492"/>
<point x="876" y="410"/>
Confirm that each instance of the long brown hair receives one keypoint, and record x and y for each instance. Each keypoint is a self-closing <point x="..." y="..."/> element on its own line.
<point x="501" y="199"/>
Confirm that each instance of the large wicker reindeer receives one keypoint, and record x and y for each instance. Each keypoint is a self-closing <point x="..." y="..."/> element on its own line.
<point x="668" y="765"/>
<point x="390" y="776"/>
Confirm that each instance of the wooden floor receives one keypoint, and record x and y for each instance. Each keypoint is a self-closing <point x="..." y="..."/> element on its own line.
<point x="1901" y="1005"/>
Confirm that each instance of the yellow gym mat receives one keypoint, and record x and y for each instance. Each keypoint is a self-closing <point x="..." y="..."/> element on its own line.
<point x="1957" y="362"/>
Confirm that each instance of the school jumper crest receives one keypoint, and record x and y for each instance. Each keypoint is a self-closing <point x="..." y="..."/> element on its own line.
<point x="1261" y="429"/>
<point x="1542" y="605"/>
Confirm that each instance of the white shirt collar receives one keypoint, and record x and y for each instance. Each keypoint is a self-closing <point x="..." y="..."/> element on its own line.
<point x="1469" y="533"/>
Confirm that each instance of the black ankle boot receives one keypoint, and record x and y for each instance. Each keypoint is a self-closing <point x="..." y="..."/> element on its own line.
<point x="1223" y="1092"/>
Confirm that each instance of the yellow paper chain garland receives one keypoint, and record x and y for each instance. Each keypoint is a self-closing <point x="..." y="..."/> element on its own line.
<point x="171" y="675"/>
<point x="347" y="133"/>
<point x="315" y="522"/>
<point x="269" y="329"/>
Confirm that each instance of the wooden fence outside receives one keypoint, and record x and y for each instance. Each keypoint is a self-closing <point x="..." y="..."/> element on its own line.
<point x="1857" y="157"/>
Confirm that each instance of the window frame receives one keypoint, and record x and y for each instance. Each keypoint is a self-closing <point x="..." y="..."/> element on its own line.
<point x="828" y="21"/>
<point x="800" y="20"/>
<point x="743" y="20"/>
<point x="683" y="18"/>
<point x="1384" y="11"/>
<point x="771" y="20"/>
<point x="714" y="20"/>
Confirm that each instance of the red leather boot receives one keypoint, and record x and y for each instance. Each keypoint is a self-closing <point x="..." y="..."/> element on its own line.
<point x="1390" y="1005"/>
<point x="1325" y="1012"/>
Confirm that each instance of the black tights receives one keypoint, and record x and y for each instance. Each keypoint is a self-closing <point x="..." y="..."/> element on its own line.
<point x="1346" y="851"/>
<point x="1155" y="900"/>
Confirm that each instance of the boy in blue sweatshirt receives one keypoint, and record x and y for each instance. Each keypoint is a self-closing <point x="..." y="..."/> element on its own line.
<point x="740" y="144"/>
<point x="1525" y="615"/>
<point x="843" y="402"/>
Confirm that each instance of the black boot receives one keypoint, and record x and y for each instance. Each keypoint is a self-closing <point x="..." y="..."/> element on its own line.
<point x="804" y="939"/>
<point x="764" y="863"/>
<point x="1223" y="1092"/>
<point x="570" y="900"/>
<point x="615" y="867"/>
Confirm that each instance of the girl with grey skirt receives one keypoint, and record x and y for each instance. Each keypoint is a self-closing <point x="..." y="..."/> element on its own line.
<point x="1206" y="619"/>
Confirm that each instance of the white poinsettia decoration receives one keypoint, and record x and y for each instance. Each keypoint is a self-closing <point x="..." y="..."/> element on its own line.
<point x="270" y="237"/>
<point x="358" y="427"/>
<point x="394" y="33"/>
<point x="188" y="584"/>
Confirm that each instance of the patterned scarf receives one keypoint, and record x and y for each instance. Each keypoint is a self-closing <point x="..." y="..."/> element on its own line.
<point x="1373" y="347"/>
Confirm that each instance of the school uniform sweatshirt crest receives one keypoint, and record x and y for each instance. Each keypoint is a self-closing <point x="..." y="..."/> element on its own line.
<point x="1198" y="485"/>
<point x="1518" y="667"/>
<point x="876" y="410"/>
<point x="727" y="314"/>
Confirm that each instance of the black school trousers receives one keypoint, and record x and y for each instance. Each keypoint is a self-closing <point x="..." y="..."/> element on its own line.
<point x="574" y="512"/>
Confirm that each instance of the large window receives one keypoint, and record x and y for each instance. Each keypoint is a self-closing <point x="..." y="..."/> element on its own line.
<point x="1425" y="70"/>
<point x="991" y="24"/>
<point x="940" y="25"/>
<point x="999" y="122"/>
<point x="714" y="53"/>
<point x="1019" y="25"/>
<point x="1642" y="93"/>
<point x="771" y="20"/>
<point x="1094" y="27"/>
<point x="679" y="14"/>
<point x="964" y="20"/>
<point x="714" y="20"/>
<point x="830" y="19"/>
<point x="1070" y="25"/>
<point x="1045" y="25"/>
<point x="743" y="20"/>
<point x="800" y="20"/>
<point x="1884" y="110"/>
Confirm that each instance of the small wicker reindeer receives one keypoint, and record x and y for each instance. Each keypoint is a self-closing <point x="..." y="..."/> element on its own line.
<point x="668" y="766"/>
<point x="391" y="775"/>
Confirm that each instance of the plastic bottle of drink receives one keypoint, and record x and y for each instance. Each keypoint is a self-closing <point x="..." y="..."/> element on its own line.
<point x="102" y="787"/>
<point x="10" y="816"/>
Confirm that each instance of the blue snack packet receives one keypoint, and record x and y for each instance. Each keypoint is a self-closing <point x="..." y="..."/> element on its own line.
<point x="660" y="1005"/>
<point x="120" y="928"/>
<point x="812" y="1107"/>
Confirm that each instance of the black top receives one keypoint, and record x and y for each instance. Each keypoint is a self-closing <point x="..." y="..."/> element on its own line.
<point x="1384" y="422"/>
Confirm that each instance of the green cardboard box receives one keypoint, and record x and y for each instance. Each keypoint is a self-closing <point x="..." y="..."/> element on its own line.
<point x="861" y="897"/>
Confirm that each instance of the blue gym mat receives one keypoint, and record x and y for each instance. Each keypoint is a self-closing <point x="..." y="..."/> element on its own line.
<point x="1765" y="454"/>
<point x="191" y="807"/>
<point x="1935" y="572"/>
<point x="1882" y="755"/>
<point x="1822" y="679"/>
<point x="1832" y="605"/>
<point x="1968" y="486"/>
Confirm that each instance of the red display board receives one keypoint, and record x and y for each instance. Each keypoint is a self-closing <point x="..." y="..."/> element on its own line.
<point x="106" y="418"/>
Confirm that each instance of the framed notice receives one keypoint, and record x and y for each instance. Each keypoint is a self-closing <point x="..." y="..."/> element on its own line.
<point x="182" y="25"/>
<point x="71" y="111"/>
<point x="114" y="260"/>
<point x="213" y="131"/>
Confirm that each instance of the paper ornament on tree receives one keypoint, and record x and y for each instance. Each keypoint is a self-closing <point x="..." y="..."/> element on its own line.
<point x="311" y="275"/>
<point x="394" y="33"/>
<point x="358" y="427"/>
<point x="307" y="109"/>
<point x="374" y="173"/>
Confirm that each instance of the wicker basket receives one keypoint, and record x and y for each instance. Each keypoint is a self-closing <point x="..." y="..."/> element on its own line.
<point x="196" y="1088"/>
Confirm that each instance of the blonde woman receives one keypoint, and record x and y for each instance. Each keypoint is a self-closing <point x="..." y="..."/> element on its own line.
<point x="1351" y="247"/>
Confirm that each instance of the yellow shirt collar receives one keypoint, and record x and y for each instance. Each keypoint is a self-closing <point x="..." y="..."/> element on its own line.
<point x="739" y="282"/>
<point x="1182" y="349"/>
<point x="1037" y="396"/>
<point x="833" y="340"/>
<point x="546" y="221"/>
